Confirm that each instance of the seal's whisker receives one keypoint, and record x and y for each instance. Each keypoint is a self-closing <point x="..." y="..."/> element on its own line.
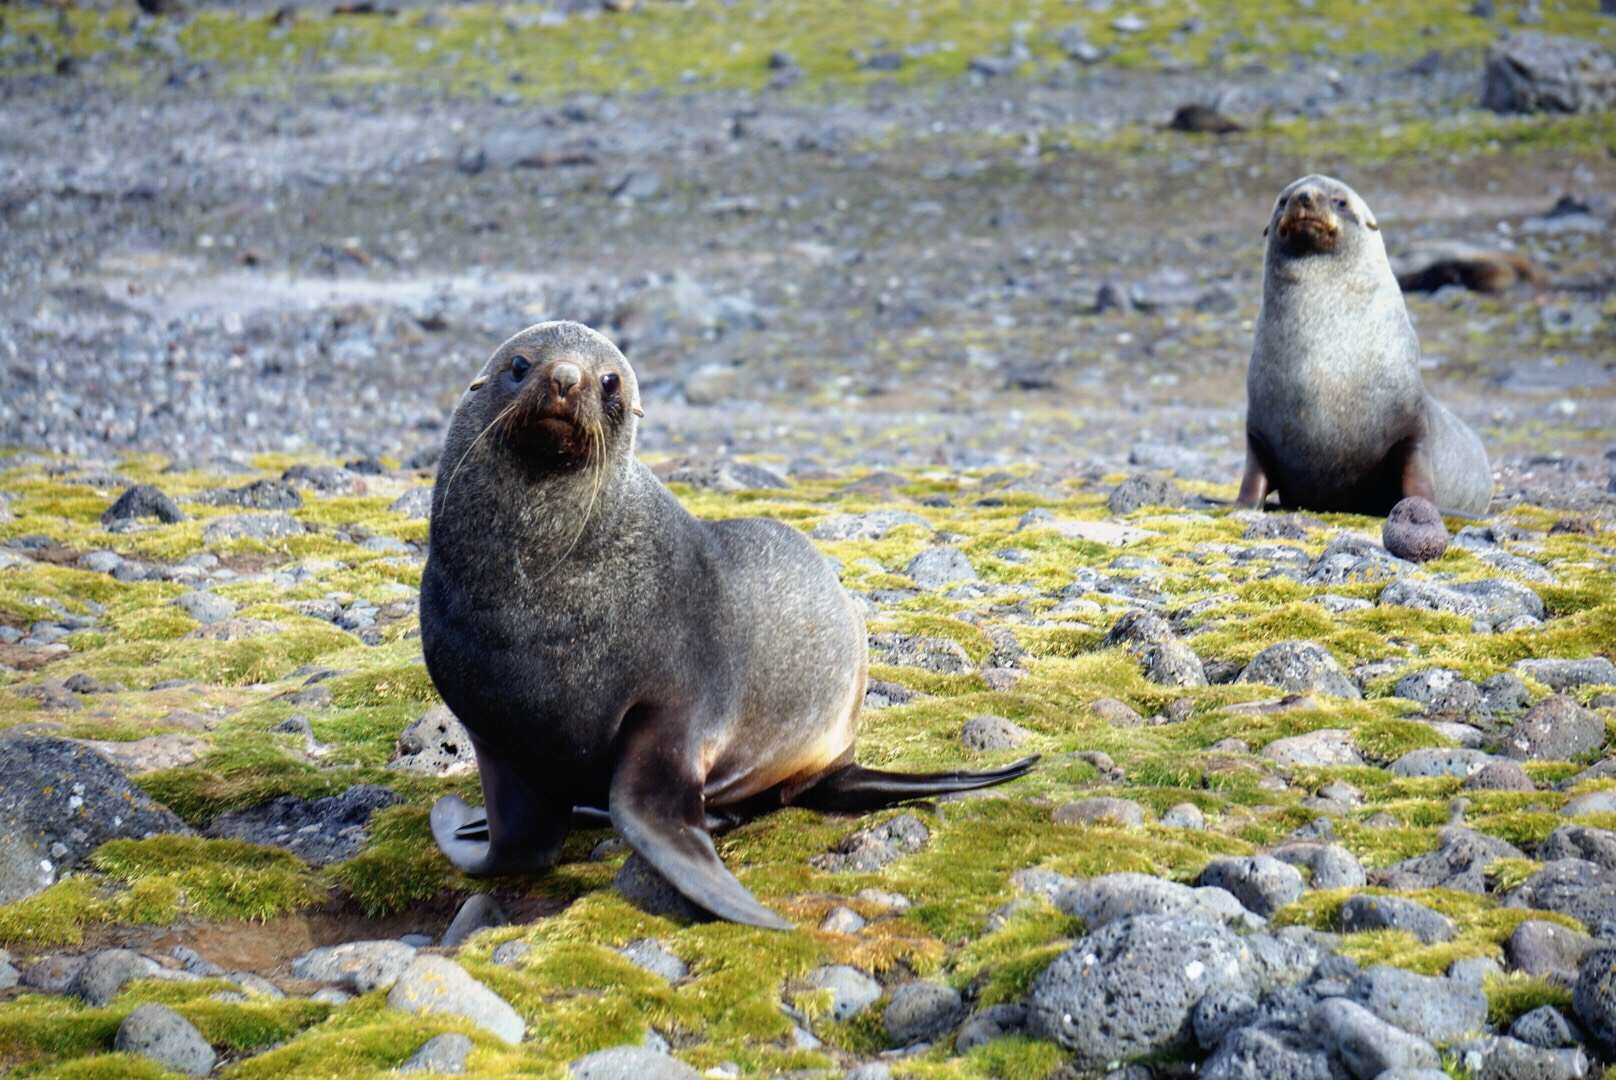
<point x="492" y="424"/>
<point x="595" y="461"/>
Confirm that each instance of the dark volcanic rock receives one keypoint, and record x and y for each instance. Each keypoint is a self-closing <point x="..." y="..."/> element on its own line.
<point x="60" y="801"/>
<point x="873" y="848"/>
<point x="1556" y="729"/>
<point x="140" y="501"/>
<point x="1459" y="862"/>
<point x="1127" y="990"/>
<point x="1364" y="912"/>
<point x="163" y="1035"/>
<point x="1436" y="1009"/>
<point x="1532" y="72"/>
<point x="1586" y="891"/>
<point x="318" y="830"/>
<point x="1300" y="667"/>
<point x="1139" y="491"/>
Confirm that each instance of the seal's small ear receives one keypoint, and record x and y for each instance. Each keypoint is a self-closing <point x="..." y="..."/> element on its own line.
<point x="637" y="411"/>
<point x="478" y="383"/>
<point x="1265" y="230"/>
<point x="1369" y="220"/>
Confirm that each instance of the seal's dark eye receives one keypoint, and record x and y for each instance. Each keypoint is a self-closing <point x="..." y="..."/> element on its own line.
<point x="609" y="382"/>
<point x="519" y="367"/>
<point x="1281" y="203"/>
<point x="1341" y="204"/>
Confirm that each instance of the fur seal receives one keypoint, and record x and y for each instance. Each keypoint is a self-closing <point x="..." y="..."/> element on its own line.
<point x="1337" y="417"/>
<point x="611" y="656"/>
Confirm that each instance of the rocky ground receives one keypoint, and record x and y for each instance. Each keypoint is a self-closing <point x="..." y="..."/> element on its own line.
<point x="936" y="285"/>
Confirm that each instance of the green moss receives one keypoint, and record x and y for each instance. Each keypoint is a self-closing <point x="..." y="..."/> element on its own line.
<point x="219" y="879"/>
<point x="55" y="916"/>
<point x="399" y="866"/>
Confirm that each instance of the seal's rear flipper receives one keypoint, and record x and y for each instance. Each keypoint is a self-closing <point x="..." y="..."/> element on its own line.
<point x="656" y="804"/>
<point x="855" y="788"/>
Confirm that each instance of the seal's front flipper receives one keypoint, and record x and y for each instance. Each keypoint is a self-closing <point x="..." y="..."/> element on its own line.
<point x="1254" y="484"/>
<point x="855" y="788"/>
<point x="583" y="817"/>
<point x="657" y="806"/>
<point x="519" y="833"/>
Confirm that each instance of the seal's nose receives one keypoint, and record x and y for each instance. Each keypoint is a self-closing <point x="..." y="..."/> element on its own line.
<point x="564" y="376"/>
<point x="1304" y="199"/>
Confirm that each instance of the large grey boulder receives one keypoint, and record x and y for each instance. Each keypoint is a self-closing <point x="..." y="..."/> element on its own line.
<point x="851" y="991"/>
<point x="1594" y="996"/>
<point x="1366" y="1044"/>
<point x="631" y="1063"/>
<point x="1436" y="1009"/>
<point x="440" y="1054"/>
<point x="1367" y="912"/>
<point x="1127" y="990"/>
<point x="436" y="986"/>
<point x="164" y="1036"/>
<point x="1531" y="72"/>
<point x="921" y="1011"/>
<point x="437" y="745"/>
<point x="60" y="801"/>
<point x="360" y="966"/>
<point x="1262" y="883"/>
<point x="1301" y="667"/>
<point x="1555" y="729"/>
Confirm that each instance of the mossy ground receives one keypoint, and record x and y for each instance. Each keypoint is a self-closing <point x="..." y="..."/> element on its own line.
<point x="576" y="992"/>
<point x="513" y="48"/>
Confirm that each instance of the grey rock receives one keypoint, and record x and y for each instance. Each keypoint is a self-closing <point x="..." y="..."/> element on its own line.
<point x="851" y="991"/>
<point x="60" y="801"/>
<point x="264" y="527"/>
<point x="1260" y="882"/>
<point x="479" y="912"/>
<point x="1100" y="811"/>
<point x="1272" y="1054"/>
<point x="1459" y="862"/>
<point x="1495" y="1058"/>
<point x="725" y="474"/>
<point x="1436" y="1009"/>
<point x="872" y="848"/>
<point x="106" y="973"/>
<point x="1172" y="663"/>
<point x="644" y="886"/>
<point x="631" y="1063"/>
<point x="415" y="503"/>
<point x="320" y="831"/>
<point x="985" y="733"/>
<point x="939" y="566"/>
<point x="162" y="1035"/>
<point x="921" y="1012"/>
<point x="1140" y="491"/>
<point x="1101" y="900"/>
<point x="874" y="525"/>
<point x="1300" y="667"/>
<point x="1365" y="1043"/>
<point x="1329" y="866"/>
<point x="1475" y="970"/>
<point x="1563" y="675"/>
<point x="440" y="1054"/>
<point x="54" y="974"/>
<point x="141" y="501"/>
<point x="1556" y="729"/>
<point x="436" y="745"/>
<point x="928" y="653"/>
<point x="1499" y="775"/>
<point x="842" y="920"/>
<point x="1365" y="912"/>
<point x="1504" y="694"/>
<point x="1538" y="947"/>
<point x="1116" y="713"/>
<point x="1530" y="72"/>
<point x="653" y="956"/>
<point x="994" y="1022"/>
<point x="1594" y="995"/>
<point x="1137" y="627"/>
<point x="1441" y="690"/>
<point x="1441" y="761"/>
<point x="1184" y="815"/>
<point x="510" y="953"/>
<point x="1326" y="746"/>
<point x="359" y="966"/>
<point x="1545" y="1027"/>
<point x="1597" y="846"/>
<point x="1219" y="1013"/>
<point x="1127" y="990"/>
<point x="1590" y="802"/>
<point x="1584" y="890"/>
<point x="436" y="986"/>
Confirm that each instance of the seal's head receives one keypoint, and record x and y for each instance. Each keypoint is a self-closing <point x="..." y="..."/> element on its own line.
<point x="554" y="398"/>
<point x="1319" y="215"/>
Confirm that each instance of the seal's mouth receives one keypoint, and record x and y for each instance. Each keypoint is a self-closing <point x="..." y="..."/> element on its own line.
<point x="1302" y="231"/>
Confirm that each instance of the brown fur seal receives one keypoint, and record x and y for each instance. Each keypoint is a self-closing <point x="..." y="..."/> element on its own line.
<point x="1337" y="416"/>
<point x="611" y="654"/>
